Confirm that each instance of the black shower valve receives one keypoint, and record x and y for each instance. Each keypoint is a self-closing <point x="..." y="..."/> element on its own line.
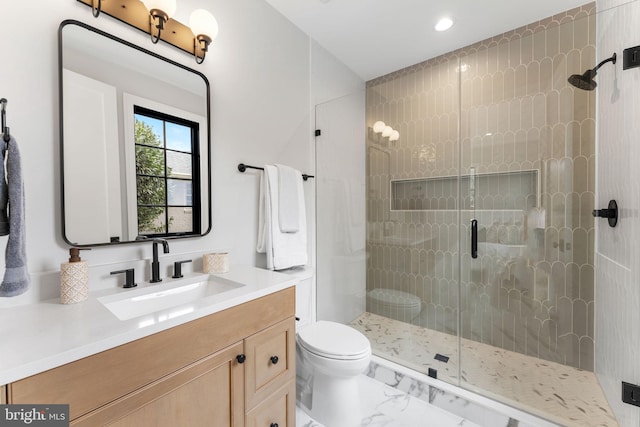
<point x="604" y="213"/>
<point x="611" y="213"/>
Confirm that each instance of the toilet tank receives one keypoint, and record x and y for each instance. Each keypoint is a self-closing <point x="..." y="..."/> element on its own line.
<point x="305" y="295"/>
<point x="304" y="302"/>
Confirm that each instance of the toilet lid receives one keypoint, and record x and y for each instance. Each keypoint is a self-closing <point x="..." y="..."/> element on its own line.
<point x="393" y="297"/>
<point x="334" y="340"/>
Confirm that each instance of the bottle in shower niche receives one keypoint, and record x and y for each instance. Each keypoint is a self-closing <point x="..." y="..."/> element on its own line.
<point x="74" y="278"/>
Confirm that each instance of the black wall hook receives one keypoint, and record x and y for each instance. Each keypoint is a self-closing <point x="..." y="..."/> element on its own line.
<point x="611" y="213"/>
<point x="5" y="129"/>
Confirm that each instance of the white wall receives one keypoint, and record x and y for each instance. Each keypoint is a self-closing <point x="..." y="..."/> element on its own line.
<point x="617" y="313"/>
<point x="259" y="70"/>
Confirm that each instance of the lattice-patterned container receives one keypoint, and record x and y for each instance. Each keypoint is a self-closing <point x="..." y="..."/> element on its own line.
<point x="215" y="262"/>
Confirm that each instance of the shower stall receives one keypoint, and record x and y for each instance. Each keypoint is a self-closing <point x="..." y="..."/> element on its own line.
<point x="464" y="248"/>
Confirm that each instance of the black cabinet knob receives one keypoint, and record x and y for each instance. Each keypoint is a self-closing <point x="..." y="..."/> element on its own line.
<point x="274" y="359"/>
<point x="274" y="425"/>
<point x="241" y="358"/>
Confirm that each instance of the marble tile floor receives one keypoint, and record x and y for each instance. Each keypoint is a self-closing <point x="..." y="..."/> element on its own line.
<point x="562" y="394"/>
<point x="384" y="406"/>
<point x="470" y="406"/>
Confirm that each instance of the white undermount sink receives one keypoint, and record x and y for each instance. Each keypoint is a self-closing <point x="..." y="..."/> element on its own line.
<point x="179" y="294"/>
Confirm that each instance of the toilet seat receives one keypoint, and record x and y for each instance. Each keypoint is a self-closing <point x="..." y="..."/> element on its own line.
<point x="334" y="341"/>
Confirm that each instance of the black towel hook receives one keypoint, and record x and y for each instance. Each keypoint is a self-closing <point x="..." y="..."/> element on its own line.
<point x="6" y="136"/>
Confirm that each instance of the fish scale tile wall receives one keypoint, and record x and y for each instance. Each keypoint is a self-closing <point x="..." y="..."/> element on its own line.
<point x="500" y="115"/>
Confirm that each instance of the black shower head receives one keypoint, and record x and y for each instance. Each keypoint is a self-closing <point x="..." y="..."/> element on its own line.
<point x="585" y="80"/>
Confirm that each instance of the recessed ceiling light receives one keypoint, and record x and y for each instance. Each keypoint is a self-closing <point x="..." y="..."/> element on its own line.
<point x="444" y="24"/>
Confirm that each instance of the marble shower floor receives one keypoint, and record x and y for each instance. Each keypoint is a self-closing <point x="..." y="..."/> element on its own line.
<point x="560" y="393"/>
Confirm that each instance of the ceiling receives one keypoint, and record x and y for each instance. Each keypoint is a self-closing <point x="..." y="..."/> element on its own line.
<point x="376" y="37"/>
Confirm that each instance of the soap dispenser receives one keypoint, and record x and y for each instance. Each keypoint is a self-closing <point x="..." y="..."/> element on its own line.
<point x="74" y="278"/>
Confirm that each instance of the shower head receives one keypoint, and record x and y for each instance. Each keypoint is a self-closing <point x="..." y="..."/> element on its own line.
<point x="585" y="80"/>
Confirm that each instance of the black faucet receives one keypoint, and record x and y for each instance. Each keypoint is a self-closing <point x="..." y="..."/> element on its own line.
<point x="155" y="264"/>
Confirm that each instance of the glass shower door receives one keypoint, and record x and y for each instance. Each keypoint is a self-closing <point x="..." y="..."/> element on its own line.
<point x="527" y="183"/>
<point x="341" y="204"/>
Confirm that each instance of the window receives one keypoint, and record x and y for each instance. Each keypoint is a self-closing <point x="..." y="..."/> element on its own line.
<point x="167" y="174"/>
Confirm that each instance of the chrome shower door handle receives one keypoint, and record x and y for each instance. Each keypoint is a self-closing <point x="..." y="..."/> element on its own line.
<point x="474" y="238"/>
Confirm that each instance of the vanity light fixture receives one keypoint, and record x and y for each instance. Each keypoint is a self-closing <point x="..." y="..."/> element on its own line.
<point x="205" y="27"/>
<point x="159" y="13"/>
<point x="154" y="18"/>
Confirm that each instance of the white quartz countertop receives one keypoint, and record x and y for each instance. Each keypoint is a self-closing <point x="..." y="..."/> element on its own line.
<point x="38" y="337"/>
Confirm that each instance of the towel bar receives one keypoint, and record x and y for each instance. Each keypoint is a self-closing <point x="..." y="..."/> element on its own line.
<point x="242" y="167"/>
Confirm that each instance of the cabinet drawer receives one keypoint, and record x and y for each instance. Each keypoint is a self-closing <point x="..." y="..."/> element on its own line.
<point x="270" y="361"/>
<point x="279" y="409"/>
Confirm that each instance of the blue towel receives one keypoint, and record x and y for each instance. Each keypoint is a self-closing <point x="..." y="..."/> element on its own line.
<point x="16" y="276"/>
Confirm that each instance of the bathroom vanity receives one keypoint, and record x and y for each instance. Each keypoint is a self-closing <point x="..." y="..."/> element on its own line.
<point x="234" y="366"/>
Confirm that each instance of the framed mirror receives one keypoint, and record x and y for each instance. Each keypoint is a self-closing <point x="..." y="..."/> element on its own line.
<point x="134" y="142"/>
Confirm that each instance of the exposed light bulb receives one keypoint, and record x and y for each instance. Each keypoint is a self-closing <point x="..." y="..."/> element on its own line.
<point x="395" y="135"/>
<point x="203" y="23"/>
<point x="387" y="131"/>
<point x="378" y="126"/>
<point x="444" y="24"/>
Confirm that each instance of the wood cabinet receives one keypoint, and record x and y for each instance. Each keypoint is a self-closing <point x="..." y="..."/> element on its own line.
<point x="3" y="394"/>
<point x="270" y="361"/>
<point x="270" y="376"/>
<point x="187" y="375"/>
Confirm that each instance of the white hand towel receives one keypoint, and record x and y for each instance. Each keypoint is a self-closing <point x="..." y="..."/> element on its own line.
<point x="288" y="206"/>
<point x="283" y="250"/>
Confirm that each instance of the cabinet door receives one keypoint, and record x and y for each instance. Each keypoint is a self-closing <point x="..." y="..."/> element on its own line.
<point x="3" y="394"/>
<point x="270" y="361"/>
<point x="278" y="410"/>
<point x="207" y="393"/>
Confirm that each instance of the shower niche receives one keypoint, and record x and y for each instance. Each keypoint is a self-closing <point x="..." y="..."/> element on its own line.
<point x="488" y="191"/>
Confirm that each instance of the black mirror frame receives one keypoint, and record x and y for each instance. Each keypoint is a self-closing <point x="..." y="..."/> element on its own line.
<point x="61" y="130"/>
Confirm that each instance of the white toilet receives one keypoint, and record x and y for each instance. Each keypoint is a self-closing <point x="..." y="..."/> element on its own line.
<point x="334" y="354"/>
<point x="329" y="357"/>
<point x="393" y="303"/>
